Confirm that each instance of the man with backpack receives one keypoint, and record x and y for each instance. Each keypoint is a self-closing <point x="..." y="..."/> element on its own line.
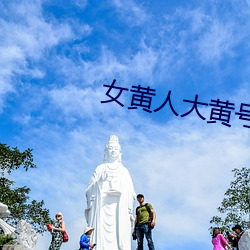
<point x="144" y="223"/>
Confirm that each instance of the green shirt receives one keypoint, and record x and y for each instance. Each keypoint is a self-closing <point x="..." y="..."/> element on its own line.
<point x="142" y="214"/>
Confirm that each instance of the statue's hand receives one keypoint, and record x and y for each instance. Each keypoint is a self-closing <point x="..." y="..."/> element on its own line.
<point x="132" y="217"/>
<point x="104" y="176"/>
<point x="90" y="201"/>
<point x="90" y="204"/>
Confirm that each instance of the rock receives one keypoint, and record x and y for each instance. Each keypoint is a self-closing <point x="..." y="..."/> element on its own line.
<point x="244" y="242"/>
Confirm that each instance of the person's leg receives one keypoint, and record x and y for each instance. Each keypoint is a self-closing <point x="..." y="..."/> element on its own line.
<point x="56" y="244"/>
<point x="148" y="235"/>
<point x="51" y="247"/>
<point x="140" y="231"/>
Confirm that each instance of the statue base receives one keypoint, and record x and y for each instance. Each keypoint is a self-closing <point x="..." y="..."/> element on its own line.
<point x="12" y="247"/>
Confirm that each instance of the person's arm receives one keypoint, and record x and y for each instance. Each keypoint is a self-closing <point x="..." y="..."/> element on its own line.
<point x="135" y="224"/>
<point x="154" y="217"/>
<point x="84" y="242"/>
<point x="224" y="241"/>
<point x="229" y="246"/>
<point x="60" y="229"/>
<point x="232" y="235"/>
<point x="92" y="246"/>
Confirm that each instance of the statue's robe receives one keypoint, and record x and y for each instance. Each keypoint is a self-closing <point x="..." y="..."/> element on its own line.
<point x="110" y="197"/>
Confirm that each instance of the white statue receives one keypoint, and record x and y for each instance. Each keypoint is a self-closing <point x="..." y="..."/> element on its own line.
<point x="25" y="235"/>
<point x="4" y="212"/>
<point x="244" y="242"/>
<point x="110" y="198"/>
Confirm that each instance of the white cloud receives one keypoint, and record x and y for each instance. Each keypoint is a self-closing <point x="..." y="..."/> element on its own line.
<point x="139" y="66"/>
<point x="131" y="12"/>
<point x="106" y="67"/>
<point x="25" y="35"/>
<point x="198" y="20"/>
<point x="85" y="103"/>
<point x="143" y="64"/>
<point x="201" y="34"/>
<point x="32" y="33"/>
<point x="217" y="42"/>
<point x="80" y="3"/>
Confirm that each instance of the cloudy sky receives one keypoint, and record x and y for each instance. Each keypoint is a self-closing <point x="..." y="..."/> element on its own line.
<point x="56" y="57"/>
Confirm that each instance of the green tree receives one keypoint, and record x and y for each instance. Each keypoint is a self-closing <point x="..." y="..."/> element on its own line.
<point x="17" y="199"/>
<point x="235" y="207"/>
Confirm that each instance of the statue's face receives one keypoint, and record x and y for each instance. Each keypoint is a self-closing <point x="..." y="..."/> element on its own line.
<point x="114" y="150"/>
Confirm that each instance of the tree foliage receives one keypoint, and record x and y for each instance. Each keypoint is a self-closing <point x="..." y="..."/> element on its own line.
<point x="17" y="199"/>
<point x="6" y="240"/>
<point x="235" y="206"/>
<point x="12" y="159"/>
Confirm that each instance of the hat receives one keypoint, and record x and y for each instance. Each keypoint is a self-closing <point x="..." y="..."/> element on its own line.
<point x="59" y="213"/>
<point x="87" y="229"/>
<point x="237" y="227"/>
<point x="140" y="195"/>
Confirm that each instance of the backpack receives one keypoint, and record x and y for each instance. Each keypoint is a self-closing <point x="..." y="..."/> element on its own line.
<point x="149" y="212"/>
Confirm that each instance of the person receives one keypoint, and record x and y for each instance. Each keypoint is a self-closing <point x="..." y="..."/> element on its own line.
<point x="142" y="226"/>
<point x="218" y="240"/>
<point x="231" y="240"/>
<point x="236" y="237"/>
<point x="110" y="198"/>
<point x="85" y="239"/>
<point x="56" y="231"/>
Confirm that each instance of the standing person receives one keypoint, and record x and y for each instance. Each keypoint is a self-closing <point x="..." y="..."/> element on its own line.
<point x="56" y="231"/>
<point x="110" y="198"/>
<point x="85" y="239"/>
<point x="142" y="226"/>
<point x="218" y="240"/>
<point x="239" y="231"/>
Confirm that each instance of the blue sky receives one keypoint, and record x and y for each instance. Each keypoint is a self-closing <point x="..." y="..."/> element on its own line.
<point x="55" y="59"/>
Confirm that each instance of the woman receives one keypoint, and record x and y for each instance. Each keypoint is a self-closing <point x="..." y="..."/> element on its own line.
<point x="56" y="231"/>
<point x="218" y="240"/>
<point x="84" y="240"/>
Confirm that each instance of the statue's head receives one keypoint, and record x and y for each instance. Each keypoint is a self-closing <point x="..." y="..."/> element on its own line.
<point x="113" y="150"/>
<point x="4" y="211"/>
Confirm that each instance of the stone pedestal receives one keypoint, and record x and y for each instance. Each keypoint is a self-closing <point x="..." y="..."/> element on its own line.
<point x="13" y="247"/>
